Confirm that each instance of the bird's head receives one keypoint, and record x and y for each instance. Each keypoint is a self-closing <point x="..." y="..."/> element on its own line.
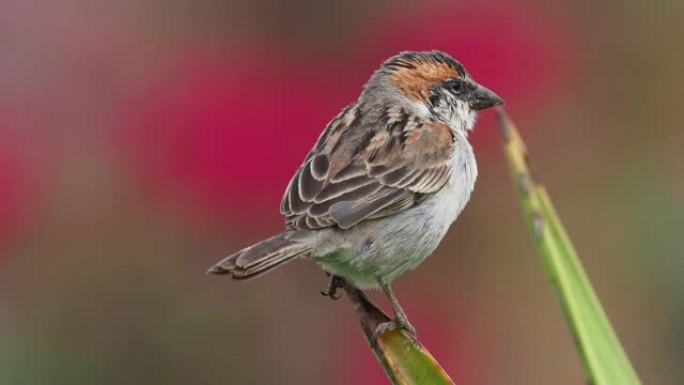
<point x="434" y="83"/>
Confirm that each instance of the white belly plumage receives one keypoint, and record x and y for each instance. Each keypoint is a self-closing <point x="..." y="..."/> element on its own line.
<point x="385" y="248"/>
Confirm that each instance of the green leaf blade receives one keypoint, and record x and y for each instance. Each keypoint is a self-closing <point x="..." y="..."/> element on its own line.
<point x="602" y="354"/>
<point x="410" y="361"/>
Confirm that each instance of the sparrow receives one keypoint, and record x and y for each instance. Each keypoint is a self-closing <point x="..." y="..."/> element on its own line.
<point x="384" y="181"/>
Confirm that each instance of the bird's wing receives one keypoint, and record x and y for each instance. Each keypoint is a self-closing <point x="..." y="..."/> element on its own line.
<point x="357" y="173"/>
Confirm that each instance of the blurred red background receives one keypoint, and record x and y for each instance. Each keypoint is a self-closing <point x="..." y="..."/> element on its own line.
<point x="142" y="141"/>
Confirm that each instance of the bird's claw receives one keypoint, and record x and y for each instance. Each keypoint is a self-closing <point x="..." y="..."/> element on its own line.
<point x="331" y="294"/>
<point x="334" y="284"/>
<point x="394" y="324"/>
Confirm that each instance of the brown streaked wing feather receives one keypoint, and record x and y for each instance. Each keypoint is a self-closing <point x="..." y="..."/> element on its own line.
<point x="398" y="205"/>
<point x="351" y="171"/>
<point x="319" y="166"/>
<point x="309" y="186"/>
<point x="348" y="213"/>
<point x="296" y="205"/>
<point x="337" y="190"/>
<point x="386" y="173"/>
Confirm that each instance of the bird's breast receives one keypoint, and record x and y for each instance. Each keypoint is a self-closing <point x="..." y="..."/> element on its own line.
<point x="455" y="195"/>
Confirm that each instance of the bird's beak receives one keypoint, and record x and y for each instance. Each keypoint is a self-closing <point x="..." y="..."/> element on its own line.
<point x="481" y="98"/>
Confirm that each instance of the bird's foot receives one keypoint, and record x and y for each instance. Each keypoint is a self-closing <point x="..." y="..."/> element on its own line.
<point x="401" y="324"/>
<point x="333" y="285"/>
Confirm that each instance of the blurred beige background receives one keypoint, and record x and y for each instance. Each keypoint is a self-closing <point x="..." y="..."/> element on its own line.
<point x="141" y="141"/>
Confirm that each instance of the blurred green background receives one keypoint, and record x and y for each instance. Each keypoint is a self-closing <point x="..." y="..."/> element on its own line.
<point x="142" y="141"/>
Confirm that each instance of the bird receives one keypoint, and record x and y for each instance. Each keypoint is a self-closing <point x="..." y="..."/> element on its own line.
<point x="384" y="181"/>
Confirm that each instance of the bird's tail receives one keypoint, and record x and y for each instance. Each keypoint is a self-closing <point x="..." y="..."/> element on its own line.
<point x="260" y="258"/>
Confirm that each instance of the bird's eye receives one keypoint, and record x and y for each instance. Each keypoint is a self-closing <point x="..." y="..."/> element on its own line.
<point x="456" y="85"/>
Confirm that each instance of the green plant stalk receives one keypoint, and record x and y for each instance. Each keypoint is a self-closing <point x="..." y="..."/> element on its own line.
<point x="402" y="357"/>
<point x="602" y="354"/>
